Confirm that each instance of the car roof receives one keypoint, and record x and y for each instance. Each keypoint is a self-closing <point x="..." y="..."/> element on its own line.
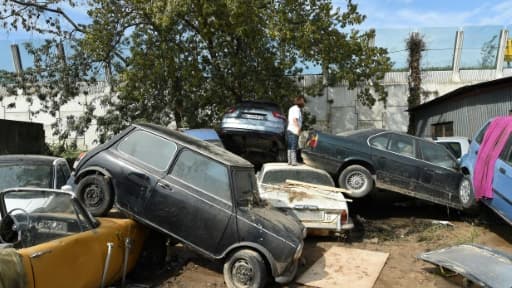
<point x="204" y="147"/>
<point x="203" y="133"/>
<point x="42" y="159"/>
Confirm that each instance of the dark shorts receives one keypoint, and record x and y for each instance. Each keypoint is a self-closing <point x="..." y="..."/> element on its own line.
<point x="293" y="140"/>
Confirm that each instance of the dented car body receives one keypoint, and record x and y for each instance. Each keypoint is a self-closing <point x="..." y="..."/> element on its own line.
<point x="193" y="191"/>
<point x="54" y="242"/>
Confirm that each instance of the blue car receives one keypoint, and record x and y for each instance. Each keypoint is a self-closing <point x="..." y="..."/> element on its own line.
<point x="205" y="134"/>
<point x="501" y="202"/>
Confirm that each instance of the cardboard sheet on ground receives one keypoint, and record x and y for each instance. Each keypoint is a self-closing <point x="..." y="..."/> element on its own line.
<point x="340" y="266"/>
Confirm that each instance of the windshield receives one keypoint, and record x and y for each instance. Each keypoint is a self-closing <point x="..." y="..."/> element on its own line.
<point x="246" y="188"/>
<point x="308" y="176"/>
<point x="42" y="216"/>
<point x="25" y="175"/>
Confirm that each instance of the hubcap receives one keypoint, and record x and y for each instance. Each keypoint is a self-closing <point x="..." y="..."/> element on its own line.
<point x="243" y="274"/>
<point x="464" y="191"/>
<point x="93" y="196"/>
<point x="356" y="181"/>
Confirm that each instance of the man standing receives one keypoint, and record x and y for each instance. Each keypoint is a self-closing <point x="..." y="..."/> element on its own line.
<point x="294" y="129"/>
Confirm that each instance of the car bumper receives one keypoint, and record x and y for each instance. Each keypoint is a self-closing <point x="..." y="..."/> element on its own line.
<point x="331" y="226"/>
<point x="228" y="126"/>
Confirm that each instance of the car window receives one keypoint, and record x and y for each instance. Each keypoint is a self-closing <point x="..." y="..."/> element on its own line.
<point x="436" y="154"/>
<point x="480" y="136"/>
<point x="26" y="175"/>
<point x="203" y="173"/>
<point x="308" y="176"/>
<point x="453" y="147"/>
<point x="246" y="188"/>
<point x="402" y="145"/>
<point x="380" y="141"/>
<point x="149" y="148"/>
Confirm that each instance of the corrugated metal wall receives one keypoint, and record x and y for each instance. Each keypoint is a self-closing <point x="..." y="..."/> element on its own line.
<point x="467" y="113"/>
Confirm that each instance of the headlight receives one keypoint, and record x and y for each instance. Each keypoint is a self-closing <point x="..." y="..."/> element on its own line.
<point x="298" y="252"/>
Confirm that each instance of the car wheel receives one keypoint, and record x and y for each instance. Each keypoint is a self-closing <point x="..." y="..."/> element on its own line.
<point x="466" y="195"/>
<point x="96" y="194"/>
<point x="245" y="268"/>
<point x="357" y="179"/>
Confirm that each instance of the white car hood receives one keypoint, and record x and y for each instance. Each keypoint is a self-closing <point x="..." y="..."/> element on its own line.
<point x="283" y="196"/>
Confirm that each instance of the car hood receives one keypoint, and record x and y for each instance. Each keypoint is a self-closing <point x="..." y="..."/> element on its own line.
<point x="280" y="196"/>
<point x="276" y="222"/>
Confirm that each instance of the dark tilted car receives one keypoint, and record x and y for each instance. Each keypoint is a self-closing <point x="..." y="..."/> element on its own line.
<point x="256" y="131"/>
<point x="374" y="158"/>
<point x="33" y="171"/>
<point x="197" y="193"/>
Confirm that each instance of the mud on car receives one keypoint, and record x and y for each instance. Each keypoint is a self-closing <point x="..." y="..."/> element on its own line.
<point x="197" y="193"/>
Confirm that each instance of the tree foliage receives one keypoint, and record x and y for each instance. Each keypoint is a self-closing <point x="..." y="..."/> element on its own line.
<point x="415" y="46"/>
<point x="189" y="60"/>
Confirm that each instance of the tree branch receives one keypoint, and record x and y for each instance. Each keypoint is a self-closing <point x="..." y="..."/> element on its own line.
<point x="59" y="11"/>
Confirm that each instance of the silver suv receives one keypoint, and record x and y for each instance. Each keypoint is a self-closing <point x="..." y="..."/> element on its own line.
<point x="256" y="131"/>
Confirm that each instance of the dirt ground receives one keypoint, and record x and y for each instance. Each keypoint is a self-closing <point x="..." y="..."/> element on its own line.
<point x="402" y="227"/>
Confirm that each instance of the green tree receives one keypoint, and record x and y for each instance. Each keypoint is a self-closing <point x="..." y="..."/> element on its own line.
<point x="415" y="45"/>
<point x="189" y="60"/>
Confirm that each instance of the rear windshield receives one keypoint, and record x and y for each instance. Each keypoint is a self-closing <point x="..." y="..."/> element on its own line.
<point x="25" y="175"/>
<point x="453" y="147"/>
<point x="258" y="105"/>
<point x="313" y="177"/>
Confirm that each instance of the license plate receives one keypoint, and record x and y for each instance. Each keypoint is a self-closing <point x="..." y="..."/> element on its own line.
<point x="309" y="215"/>
<point x="255" y="117"/>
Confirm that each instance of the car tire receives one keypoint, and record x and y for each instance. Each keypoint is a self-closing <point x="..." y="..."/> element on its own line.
<point x="245" y="268"/>
<point x="466" y="194"/>
<point x="357" y="179"/>
<point x="96" y="194"/>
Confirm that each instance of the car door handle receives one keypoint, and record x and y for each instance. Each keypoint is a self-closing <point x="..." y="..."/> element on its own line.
<point x="165" y="186"/>
<point x="502" y="171"/>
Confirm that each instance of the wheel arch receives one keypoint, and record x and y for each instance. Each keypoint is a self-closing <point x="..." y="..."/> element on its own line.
<point x="362" y="162"/>
<point x="92" y="171"/>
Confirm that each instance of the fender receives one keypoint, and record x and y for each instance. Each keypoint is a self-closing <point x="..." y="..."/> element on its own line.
<point x="92" y="169"/>
<point x="357" y="159"/>
<point x="273" y="265"/>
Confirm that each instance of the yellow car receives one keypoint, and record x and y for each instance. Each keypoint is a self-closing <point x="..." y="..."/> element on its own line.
<point x="48" y="239"/>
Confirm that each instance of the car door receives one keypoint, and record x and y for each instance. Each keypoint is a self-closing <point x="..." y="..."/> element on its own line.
<point x="396" y="166"/>
<point x="502" y="183"/>
<point x="193" y="202"/>
<point x="144" y="158"/>
<point x="440" y="179"/>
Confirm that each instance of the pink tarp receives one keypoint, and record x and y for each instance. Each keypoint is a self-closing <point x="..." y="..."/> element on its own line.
<point x="494" y="140"/>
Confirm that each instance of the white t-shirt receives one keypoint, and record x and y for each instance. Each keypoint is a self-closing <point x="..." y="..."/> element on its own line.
<point x="294" y="113"/>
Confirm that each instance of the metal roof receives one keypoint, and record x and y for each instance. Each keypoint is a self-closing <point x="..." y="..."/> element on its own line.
<point x="468" y="90"/>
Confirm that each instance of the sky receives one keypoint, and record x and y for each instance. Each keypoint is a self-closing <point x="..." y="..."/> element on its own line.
<point x="433" y="13"/>
<point x="393" y="20"/>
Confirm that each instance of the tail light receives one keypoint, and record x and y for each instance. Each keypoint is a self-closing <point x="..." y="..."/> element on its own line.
<point x="344" y="217"/>
<point x="279" y="115"/>
<point x="313" y="141"/>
